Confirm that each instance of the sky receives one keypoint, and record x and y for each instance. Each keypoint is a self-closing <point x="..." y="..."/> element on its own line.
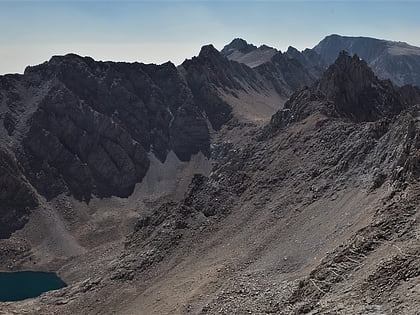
<point x="157" y="31"/>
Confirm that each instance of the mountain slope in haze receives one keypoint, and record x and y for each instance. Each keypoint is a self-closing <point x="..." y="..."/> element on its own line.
<point x="285" y="73"/>
<point x="252" y="93"/>
<point x="396" y="61"/>
<point x="239" y="50"/>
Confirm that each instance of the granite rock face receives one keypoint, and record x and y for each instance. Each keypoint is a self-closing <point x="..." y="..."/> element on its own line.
<point x="92" y="130"/>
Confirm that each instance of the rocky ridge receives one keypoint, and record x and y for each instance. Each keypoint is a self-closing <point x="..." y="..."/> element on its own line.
<point x="396" y="61"/>
<point x="81" y="127"/>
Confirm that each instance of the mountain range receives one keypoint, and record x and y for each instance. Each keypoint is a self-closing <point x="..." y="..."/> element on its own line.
<point x="396" y="61"/>
<point x="246" y="180"/>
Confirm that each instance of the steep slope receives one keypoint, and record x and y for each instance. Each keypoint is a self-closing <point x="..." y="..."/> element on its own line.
<point x="396" y="61"/>
<point x="317" y="212"/>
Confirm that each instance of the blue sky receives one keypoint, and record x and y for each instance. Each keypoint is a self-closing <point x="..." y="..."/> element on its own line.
<point x="157" y="31"/>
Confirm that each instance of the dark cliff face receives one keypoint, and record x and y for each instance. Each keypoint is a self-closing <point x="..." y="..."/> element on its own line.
<point x="74" y="125"/>
<point x="17" y="197"/>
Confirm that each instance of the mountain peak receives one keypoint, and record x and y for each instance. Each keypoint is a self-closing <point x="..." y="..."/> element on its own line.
<point x="356" y="92"/>
<point x="350" y="68"/>
<point x="208" y="50"/>
<point x="292" y="49"/>
<point x="238" y="44"/>
<point x="266" y="47"/>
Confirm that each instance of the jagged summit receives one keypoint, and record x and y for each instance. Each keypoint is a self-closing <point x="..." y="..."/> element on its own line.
<point x="241" y="51"/>
<point x="349" y="68"/>
<point x="357" y="92"/>
<point x="238" y="44"/>
<point x="208" y="50"/>
<point x="292" y="50"/>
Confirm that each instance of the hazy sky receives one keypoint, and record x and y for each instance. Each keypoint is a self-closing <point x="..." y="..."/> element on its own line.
<point x="157" y="31"/>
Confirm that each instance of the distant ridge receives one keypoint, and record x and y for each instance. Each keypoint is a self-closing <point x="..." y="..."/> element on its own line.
<point x="394" y="60"/>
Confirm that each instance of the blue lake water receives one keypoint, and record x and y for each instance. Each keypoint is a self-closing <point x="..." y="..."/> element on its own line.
<point x="16" y="286"/>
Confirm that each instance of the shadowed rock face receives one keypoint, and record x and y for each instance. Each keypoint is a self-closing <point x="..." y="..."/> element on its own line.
<point x="93" y="128"/>
<point x="17" y="197"/>
<point x="287" y="75"/>
<point x="308" y="57"/>
<point x="357" y="93"/>
<point x="74" y="125"/>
